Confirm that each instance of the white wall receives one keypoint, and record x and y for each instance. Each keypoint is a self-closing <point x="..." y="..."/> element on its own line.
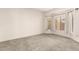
<point x="76" y="26"/>
<point x="16" y="23"/>
<point x="68" y="23"/>
<point x="69" y="33"/>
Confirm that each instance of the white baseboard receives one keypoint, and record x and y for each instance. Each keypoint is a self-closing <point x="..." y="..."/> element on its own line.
<point x="76" y="38"/>
<point x="19" y="37"/>
<point x="72" y="37"/>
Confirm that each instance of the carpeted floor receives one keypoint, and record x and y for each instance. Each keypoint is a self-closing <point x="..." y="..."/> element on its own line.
<point x="42" y="42"/>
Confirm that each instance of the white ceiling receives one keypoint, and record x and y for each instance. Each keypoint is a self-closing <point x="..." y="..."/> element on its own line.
<point x="59" y="11"/>
<point x="44" y="9"/>
<point x="53" y="11"/>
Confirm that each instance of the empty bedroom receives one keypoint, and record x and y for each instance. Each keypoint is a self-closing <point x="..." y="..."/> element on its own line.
<point x="39" y="29"/>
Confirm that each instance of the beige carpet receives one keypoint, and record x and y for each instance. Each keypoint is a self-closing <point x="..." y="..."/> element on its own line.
<point x="43" y="42"/>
